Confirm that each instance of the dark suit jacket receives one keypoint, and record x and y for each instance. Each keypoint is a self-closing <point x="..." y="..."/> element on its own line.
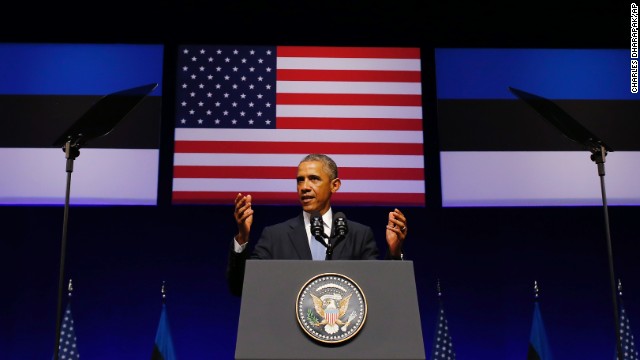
<point x="288" y="241"/>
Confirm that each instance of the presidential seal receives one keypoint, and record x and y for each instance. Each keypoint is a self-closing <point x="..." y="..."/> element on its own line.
<point x="331" y="308"/>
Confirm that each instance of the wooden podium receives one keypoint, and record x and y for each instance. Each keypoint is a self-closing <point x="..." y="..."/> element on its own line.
<point x="268" y="327"/>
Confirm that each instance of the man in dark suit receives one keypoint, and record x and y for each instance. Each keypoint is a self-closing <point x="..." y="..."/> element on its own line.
<point x="317" y="180"/>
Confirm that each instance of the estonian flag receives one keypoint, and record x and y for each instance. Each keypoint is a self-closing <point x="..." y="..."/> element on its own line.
<point x="496" y="150"/>
<point x="163" y="348"/>
<point x="44" y="89"/>
<point x="539" y="348"/>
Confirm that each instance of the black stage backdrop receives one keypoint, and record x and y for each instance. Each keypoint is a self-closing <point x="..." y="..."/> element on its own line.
<point x="486" y="259"/>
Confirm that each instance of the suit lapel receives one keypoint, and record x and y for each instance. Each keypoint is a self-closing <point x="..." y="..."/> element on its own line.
<point x="298" y="237"/>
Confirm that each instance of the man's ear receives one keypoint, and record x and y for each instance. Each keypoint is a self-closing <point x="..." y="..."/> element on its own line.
<point x="335" y="184"/>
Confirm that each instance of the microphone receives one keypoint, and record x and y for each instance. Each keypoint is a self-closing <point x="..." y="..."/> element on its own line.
<point x="340" y="225"/>
<point x="317" y="228"/>
<point x="339" y="231"/>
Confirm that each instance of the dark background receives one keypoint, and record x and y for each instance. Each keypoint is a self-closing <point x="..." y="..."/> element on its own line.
<point x="485" y="258"/>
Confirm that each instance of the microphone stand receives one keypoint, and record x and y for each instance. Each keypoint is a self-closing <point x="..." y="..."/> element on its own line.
<point x="329" y="249"/>
<point x="327" y="244"/>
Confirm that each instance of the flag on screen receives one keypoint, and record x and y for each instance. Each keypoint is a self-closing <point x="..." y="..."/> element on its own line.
<point x="45" y="89"/>
<point x="163" y="348"/>
<point x="442" y="343"/>
<point x="246" y="116"/>
<point x="494" y="146"/>
<point x="539" y="348"/>
<point x="68" y="348"/>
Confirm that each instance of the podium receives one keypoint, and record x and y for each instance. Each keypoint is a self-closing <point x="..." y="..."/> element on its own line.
<point x="269" y="326"/>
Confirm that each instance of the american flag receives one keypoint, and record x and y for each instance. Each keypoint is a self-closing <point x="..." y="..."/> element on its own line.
<point x="626" y="337"/>
<point x="442" y="346"/>
<point x="68" y="349"/>
<point x="247" y="115"/>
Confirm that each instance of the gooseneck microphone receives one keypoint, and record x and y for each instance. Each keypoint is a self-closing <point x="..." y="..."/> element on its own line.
<point x="340" y="228"/>
<point x="339" y="231"/>
<point x="317" y="228"/>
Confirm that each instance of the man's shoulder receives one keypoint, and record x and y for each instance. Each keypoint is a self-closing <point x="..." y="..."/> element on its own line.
<point x="287" y="224"/>
<point x="354" y="225"/>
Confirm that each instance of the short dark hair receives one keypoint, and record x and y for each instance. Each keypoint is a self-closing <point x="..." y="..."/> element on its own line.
<point x="328" y="164"/>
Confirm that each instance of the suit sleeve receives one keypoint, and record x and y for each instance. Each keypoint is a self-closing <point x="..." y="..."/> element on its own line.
<point x="369" y="248"/>
<point x="235" y="269"/>
<point x="237" y="261"/>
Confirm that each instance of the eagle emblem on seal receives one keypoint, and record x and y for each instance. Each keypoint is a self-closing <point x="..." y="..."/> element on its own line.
<point x="331" y="309"/>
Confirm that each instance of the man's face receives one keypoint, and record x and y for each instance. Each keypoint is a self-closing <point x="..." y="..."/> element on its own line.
<point x="314" y="187"/>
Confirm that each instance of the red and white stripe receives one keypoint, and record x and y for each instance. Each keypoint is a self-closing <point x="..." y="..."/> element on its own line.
<point x="361" y="106"/>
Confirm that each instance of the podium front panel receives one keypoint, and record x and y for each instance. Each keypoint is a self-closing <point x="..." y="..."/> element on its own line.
<point x="268" y="327"/>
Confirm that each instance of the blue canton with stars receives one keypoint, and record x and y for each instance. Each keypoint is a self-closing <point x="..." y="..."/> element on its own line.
<point x="226" y="87"/>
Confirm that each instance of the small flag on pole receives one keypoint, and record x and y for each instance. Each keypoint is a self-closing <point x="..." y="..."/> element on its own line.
<point x="68" y="348"/>
<point x="626" y="337"/>
<point x="68" y="341"/>
<point x="163" y="348"/>
<point x="539" y="348"/>
<point x="442" y="343"/>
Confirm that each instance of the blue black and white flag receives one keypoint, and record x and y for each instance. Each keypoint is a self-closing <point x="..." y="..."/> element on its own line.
<point x="539" y="348"/>
<point x="44" y="89"/>
<point x="163" y="347"/>
<point x="496" y="150"/>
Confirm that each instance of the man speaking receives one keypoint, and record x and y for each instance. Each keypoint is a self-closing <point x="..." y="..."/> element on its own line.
<point x="310" y="235"/>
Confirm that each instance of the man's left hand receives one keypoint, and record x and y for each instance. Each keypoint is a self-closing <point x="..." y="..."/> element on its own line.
<point x="396" y="232"/>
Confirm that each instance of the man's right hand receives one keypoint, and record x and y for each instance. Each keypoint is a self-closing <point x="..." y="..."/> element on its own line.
<point x="244" y="217"/>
